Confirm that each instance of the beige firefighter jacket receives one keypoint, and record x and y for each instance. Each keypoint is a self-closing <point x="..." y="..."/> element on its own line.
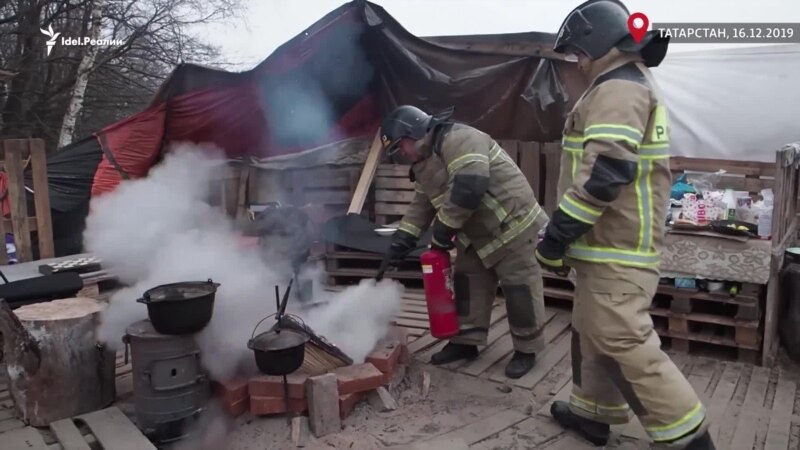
<point x="615" y="180"/>
<point x="470" y="184"/>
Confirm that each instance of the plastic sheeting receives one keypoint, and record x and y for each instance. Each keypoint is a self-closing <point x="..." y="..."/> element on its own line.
<point x="739" y="104"/>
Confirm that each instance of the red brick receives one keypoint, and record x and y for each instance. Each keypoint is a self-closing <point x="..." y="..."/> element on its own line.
<point x="233" y="390"/>
<point x="347" y="403"/>
<point x="272" y="386"/>
<point x="358" y="378"/>
<point x="237" y="408"/>
<point x="385" y="356"/>
<point x="263" y="406"/>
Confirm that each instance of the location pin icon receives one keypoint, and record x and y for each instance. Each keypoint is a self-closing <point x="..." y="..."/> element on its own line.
<point x="638" y="32"/>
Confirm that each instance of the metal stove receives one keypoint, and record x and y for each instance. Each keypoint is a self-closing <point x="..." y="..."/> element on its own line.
<point x="170" y="387"/>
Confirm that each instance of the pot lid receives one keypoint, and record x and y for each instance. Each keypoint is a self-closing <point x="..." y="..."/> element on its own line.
<point x="272" y="340"/>
<point x="180" y="291"/>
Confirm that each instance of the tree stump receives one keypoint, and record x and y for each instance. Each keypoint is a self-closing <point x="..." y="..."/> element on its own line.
<point x="55" y="365"/>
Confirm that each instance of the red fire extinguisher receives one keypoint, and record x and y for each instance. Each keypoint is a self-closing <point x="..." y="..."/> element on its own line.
<point x="437" y="276"/>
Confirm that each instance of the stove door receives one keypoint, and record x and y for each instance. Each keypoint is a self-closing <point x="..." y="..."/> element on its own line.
<point x="175" y="373"/>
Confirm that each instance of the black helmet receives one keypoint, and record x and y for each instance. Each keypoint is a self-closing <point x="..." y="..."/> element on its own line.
<point x="408" y="121"/>
<point x="594" y="28"/>
<point x="597" y="26"/>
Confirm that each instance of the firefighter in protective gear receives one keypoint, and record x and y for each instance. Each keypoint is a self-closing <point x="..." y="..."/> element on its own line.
<point x="614" y="189"/>
<point x="480" y="203"/>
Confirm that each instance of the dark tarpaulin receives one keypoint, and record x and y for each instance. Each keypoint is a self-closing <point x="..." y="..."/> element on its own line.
<point x="70" y="172"/>
<point x="333" y="82"/>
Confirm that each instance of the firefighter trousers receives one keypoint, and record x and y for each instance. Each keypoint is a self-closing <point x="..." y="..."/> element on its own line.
<point x="618" y="364"/>
<point x="520" y="278"/>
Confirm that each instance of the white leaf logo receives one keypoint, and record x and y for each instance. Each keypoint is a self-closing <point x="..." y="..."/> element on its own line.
<point x="53" y="36"/>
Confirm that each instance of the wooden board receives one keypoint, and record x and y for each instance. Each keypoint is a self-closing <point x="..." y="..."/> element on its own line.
<point x="27" y="438"/>
<point x="721" y="398"/>
<point x="752" y="410"/>
<point x="365" y="181"/>
<point x="41" y="199"/>
<point x="780" y="419"/>
<point x="563" y="395"/>
<point x="18" y="199"/>
<point x="68" y="435"/>
<point x="485" y="427"/>
<point x="114" y="430"/>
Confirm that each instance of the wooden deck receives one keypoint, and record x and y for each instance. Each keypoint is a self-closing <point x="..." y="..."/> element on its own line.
<point x="750" y="407"/>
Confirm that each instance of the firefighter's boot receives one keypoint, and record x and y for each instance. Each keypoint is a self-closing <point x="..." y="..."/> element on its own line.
<point x="454" y="352"/>
<point x="595" y="432"/>
<point x="520" y="364"/>
<point x="702" y="442"/>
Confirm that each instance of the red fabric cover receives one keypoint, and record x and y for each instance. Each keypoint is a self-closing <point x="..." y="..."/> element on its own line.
<point x="134" y="143"/>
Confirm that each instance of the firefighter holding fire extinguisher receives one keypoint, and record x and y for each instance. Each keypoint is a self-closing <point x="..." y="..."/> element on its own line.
<point x="480" y="203"/>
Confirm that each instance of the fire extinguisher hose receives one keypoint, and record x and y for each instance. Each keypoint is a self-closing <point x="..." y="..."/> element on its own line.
<point x="385" y="263"/>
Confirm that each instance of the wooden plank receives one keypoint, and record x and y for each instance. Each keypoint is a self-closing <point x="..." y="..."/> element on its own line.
<point x="410" y="323"/>
<point x="492" y="354"/>
<point x="382" y="195"/>
<point x="563" y="395"/>
<point x="394" y="183"/>
<point x="552" y="170"/>
<point x="11" y="424"/>
<point x="391" y="209"/>
<point x="393" y="170"/>
<point x="114" y="430"/>
<point x="549" y="358"/>
<point x="326" y="197"/>
<point x="3" y="250"/>
<point x="722" y="397"/>
<point x="27" y="438"/>
<point x="681" y="163"/>
<point x="68" y="435"/>
<point x="365" y="181"/>
<point x="531" y="167"/>
<point x="701" y="375"/>
<point x="17" y="198"/>
<point x="780" y="419"/>
<point x="486" y="426"/>
<point x="752" y="410"/>
<point x="422" y="343"/>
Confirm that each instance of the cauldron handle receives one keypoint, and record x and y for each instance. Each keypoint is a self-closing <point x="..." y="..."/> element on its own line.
<point x="259" y="323"/>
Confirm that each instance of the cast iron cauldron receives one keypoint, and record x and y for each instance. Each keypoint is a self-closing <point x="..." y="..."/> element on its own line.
<point x="278" y="351"/>
<point x="180" y="308"/>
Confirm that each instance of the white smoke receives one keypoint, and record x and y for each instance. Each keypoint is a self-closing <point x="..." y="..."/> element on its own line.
<point x="159" y="230"/>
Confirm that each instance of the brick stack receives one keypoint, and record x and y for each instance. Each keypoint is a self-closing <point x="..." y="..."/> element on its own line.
<point x="264" y="394"/>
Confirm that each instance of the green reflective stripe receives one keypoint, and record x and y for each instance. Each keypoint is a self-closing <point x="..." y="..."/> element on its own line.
<point x="599" y="409"/>
<point x="516" y="228"/>
<point x="644" y="201"/>
<point x="409" y="228"/>
<point x="579" y="210"/>
<point x="463" y="239"/>
<point x="438" y="201"/>
<point x="614" y="133"/>
<point x="614" y="255"/>
<point x="460" y="162"/>
<point x="497" y="152"/>
<point x="572" y="143"/>
<point x="679" y="428"/>
<point x="654" y="151"/>
<point x="495" y="207"/>
<point x="575" y="157"/>
<point x="445" y="220"/>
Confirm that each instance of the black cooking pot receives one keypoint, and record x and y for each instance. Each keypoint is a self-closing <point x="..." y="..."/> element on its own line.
<point x="180" y="308"/>
<point x="278" y="351"/>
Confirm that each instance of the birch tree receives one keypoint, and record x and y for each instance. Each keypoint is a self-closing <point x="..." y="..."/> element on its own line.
<point x="82" y="77"/>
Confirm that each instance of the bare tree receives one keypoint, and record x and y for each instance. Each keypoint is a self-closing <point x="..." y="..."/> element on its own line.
<point x="86" y="89"/>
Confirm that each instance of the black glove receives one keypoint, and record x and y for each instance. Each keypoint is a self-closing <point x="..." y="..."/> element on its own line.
<point x="402" y="244"/>
<point x="550" y="255"/>
<point x="442" y="236"/>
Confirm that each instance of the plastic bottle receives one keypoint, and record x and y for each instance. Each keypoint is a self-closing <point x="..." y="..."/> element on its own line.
<point x="729" y="200"/>
<point x="765" y="215"/>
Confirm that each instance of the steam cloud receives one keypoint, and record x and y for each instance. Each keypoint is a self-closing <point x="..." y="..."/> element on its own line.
<point x="160" y="230"/>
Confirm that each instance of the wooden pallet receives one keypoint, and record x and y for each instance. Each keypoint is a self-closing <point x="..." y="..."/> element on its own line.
<point x="695" y="321"/>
